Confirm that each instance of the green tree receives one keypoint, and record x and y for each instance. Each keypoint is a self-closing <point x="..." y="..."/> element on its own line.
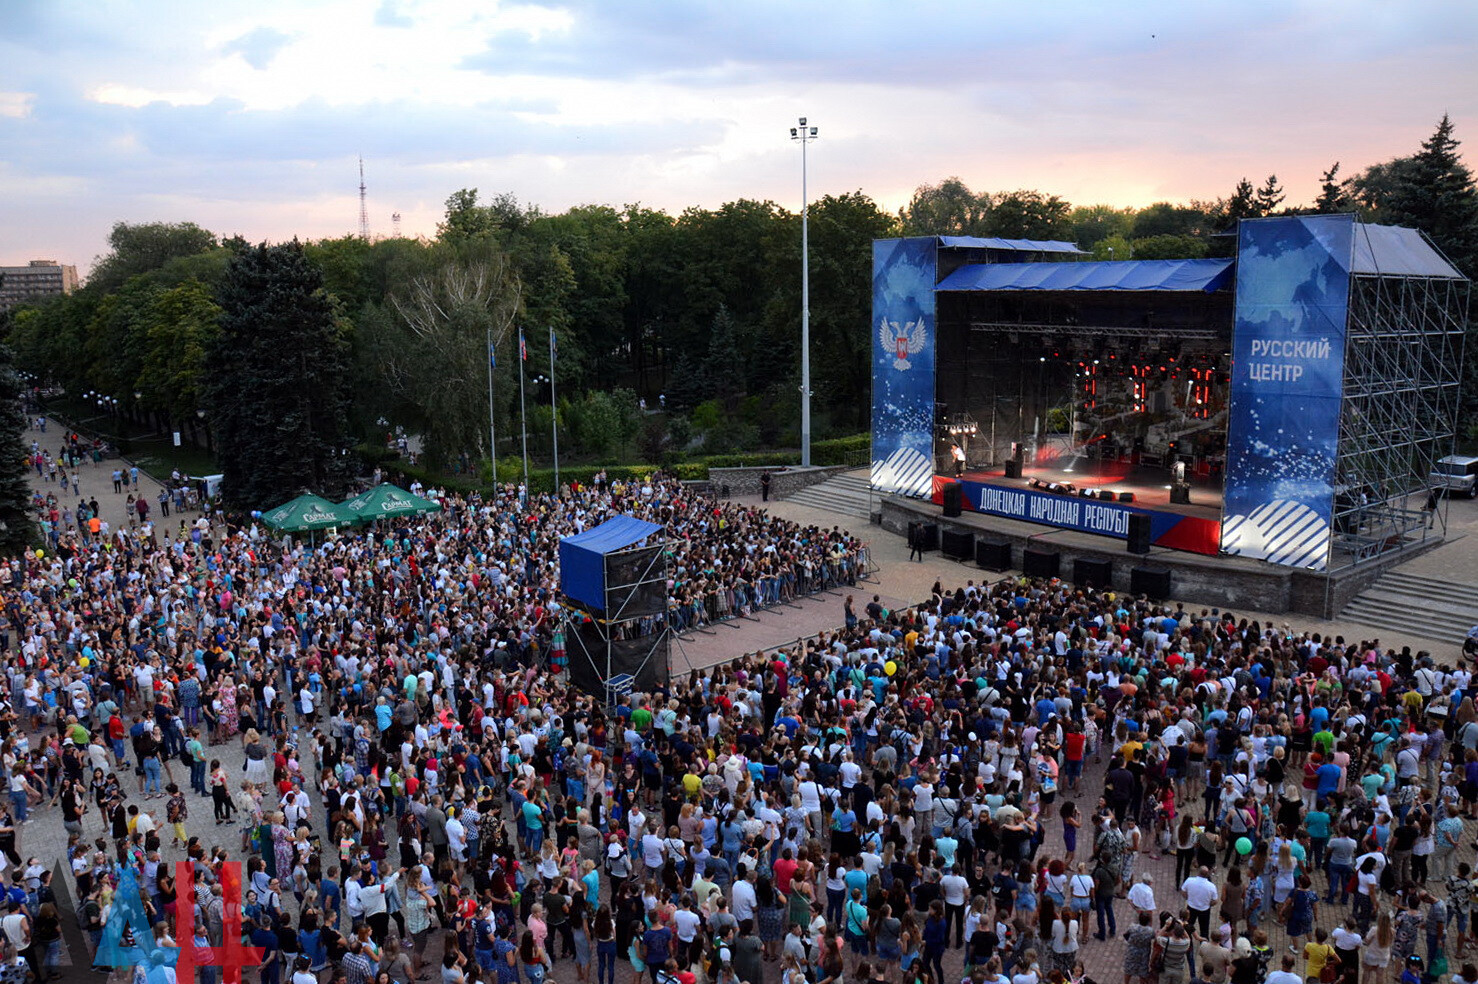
<point x="1027" y="215"/>
<point x="1432" y="191"/>
<point x="1334" y="196"/>
<point x="1115" y="247"/>
<point x="1167" y="219"/>
<point x="16" y="529"/>
<point x="949" y="208"/>
<point x="1089" y="225"/>
<point x="1269" y="196"/>
<point x="1242" y="205"/>
<point x="180" y="327"/>
<point x="1169" y="248"/>
<point x="723" y="360"/>
<point x="276" y="380"/>
<point x="140" y="248"/>
<point x="466" y="219"/>
<point x="435" y="350"/>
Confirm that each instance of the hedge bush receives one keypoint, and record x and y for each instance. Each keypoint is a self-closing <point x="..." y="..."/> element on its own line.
<point x="852" y="451"/>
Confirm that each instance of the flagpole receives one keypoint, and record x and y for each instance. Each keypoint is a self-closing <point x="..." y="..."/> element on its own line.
<point x="523" y="417"/>
<point x="553" y="411"/>
<point x="492" y="421"/>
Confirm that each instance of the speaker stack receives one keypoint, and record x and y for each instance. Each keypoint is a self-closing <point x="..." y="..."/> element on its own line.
<point x="1139" y="533"/>
<point x="993" y="555"/>
<point x="1093" y="572"/>
<point x="953" y="543"/>
<point x="1040" y="563"/>
<point x="954" y="499"/>
<point x="1152" y="582"/>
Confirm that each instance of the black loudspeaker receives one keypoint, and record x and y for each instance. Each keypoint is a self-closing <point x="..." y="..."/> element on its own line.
<point x="1139" y="533"/>
<point x="954" y="498"/>
<point x="1105" y="495"/>
<point x="1040" y="563"/>
<point x="1013" y="468"/>
<point x="993" y="555"/>
<point x="1180" y="494"/>
<point x="1094" y="573"/>
<point x="1126" y="496"/>
<point x="955" y="544"/>
<point x="1153" y="582"/>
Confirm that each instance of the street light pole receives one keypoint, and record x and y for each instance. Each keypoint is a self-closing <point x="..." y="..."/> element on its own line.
<point x="804" y="135"/>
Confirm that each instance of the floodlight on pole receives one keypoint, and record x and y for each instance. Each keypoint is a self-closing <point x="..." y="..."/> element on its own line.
<point x="804" y="134"/>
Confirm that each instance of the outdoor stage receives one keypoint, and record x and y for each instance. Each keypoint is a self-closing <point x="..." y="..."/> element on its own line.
<point x="1150" y="486"/>
<point x="1233" y="583"/>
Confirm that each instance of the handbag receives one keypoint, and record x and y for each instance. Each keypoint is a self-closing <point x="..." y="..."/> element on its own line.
<point x="1329" y="973"/>
<point x="1439" y="964"/>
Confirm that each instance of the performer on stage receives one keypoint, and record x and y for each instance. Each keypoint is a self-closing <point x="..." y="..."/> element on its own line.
<point x="958" y="453"/>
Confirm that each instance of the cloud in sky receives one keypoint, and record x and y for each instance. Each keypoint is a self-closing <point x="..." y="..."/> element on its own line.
<point x="248" y="117"/>
<point x="257" y="47"/>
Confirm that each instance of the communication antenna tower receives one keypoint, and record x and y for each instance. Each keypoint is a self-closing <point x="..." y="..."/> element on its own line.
<point x="395" y="223"/>
<point x="363" y="209"/>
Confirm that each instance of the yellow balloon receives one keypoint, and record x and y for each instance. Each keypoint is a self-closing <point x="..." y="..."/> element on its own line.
<point x="890" y="667"/>
<point x="40" y="554"/>
<point x="85" y="662"/>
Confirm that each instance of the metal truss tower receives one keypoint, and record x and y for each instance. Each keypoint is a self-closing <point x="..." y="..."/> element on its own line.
<point x="363" y="206"/>
<point x="1402" y="375"/>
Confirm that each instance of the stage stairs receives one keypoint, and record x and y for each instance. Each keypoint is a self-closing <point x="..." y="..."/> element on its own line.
<point x="846" y="494"/>
<point x="1428" y="606"/>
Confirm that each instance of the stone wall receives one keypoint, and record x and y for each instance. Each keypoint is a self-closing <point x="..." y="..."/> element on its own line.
<point x="1193" y="578"/>
<point x="784" y="479"/>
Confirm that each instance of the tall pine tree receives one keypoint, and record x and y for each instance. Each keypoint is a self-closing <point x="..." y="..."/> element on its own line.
<point x="1333" y="195"/>
<point x="16" y="529"/>
<point x="277" y="373"/>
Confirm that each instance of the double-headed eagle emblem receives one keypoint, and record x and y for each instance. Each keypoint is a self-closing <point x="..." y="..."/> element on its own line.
<point x="905" y="341"/>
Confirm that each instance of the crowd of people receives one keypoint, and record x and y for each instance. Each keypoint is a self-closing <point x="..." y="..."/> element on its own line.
<point x="378" y="727"/>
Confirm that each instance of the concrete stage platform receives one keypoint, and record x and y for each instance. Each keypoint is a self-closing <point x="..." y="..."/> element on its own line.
<point x="1233" y="583"/>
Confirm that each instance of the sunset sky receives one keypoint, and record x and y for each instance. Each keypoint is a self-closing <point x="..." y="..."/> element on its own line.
<point x="248" y="117"/>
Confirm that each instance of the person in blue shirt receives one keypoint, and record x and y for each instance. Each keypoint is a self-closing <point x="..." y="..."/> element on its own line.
<point x="1328" y="776"/>
<point x="1319" y="717"/>
<point x="1316" y="822"/>
<point x="1046" y="707"/>
<point x="856" y="879"/>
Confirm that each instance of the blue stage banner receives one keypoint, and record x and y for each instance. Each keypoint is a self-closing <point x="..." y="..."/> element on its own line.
<point x="1288" y="343"/>
<point x="903" y="349"/>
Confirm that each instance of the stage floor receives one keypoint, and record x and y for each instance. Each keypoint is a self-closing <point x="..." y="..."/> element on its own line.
<point x="1151" y="486"/>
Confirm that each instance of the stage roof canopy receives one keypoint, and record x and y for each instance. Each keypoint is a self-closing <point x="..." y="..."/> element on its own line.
<point x="1205" y="276"/>
<point x="1394" y="251"/>
<point x="1015" y="245"/>
<point x="582" y="565"/>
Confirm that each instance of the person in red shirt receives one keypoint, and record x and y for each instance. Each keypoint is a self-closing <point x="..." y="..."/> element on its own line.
<point x="1073" y="745"/>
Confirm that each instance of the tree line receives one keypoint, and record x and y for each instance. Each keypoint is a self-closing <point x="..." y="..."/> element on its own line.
<point x="293" y="353"/>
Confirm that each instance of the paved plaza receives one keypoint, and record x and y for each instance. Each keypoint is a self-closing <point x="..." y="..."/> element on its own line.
<point x="897" y="582"/>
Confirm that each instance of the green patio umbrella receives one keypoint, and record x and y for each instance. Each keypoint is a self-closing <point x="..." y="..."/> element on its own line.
<point x="307" y="513"/>
<point x="387" y="500"/>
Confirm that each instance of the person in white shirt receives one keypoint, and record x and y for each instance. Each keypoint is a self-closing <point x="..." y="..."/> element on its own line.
<point x="955" y="890"/>
<point x="1142" y="895"/>
<point x="1286" y="975"/>
<point x="1200" y="894"/>
<point x="744" y="899"/>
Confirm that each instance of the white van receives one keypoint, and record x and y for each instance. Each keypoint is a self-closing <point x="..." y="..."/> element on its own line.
<point x="1456" y="474"/>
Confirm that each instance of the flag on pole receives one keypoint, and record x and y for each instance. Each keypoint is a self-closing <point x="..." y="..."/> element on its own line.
<point x="553" y="346"/>
<point x="523" y="349"/>
<point x="492" y="355"/>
